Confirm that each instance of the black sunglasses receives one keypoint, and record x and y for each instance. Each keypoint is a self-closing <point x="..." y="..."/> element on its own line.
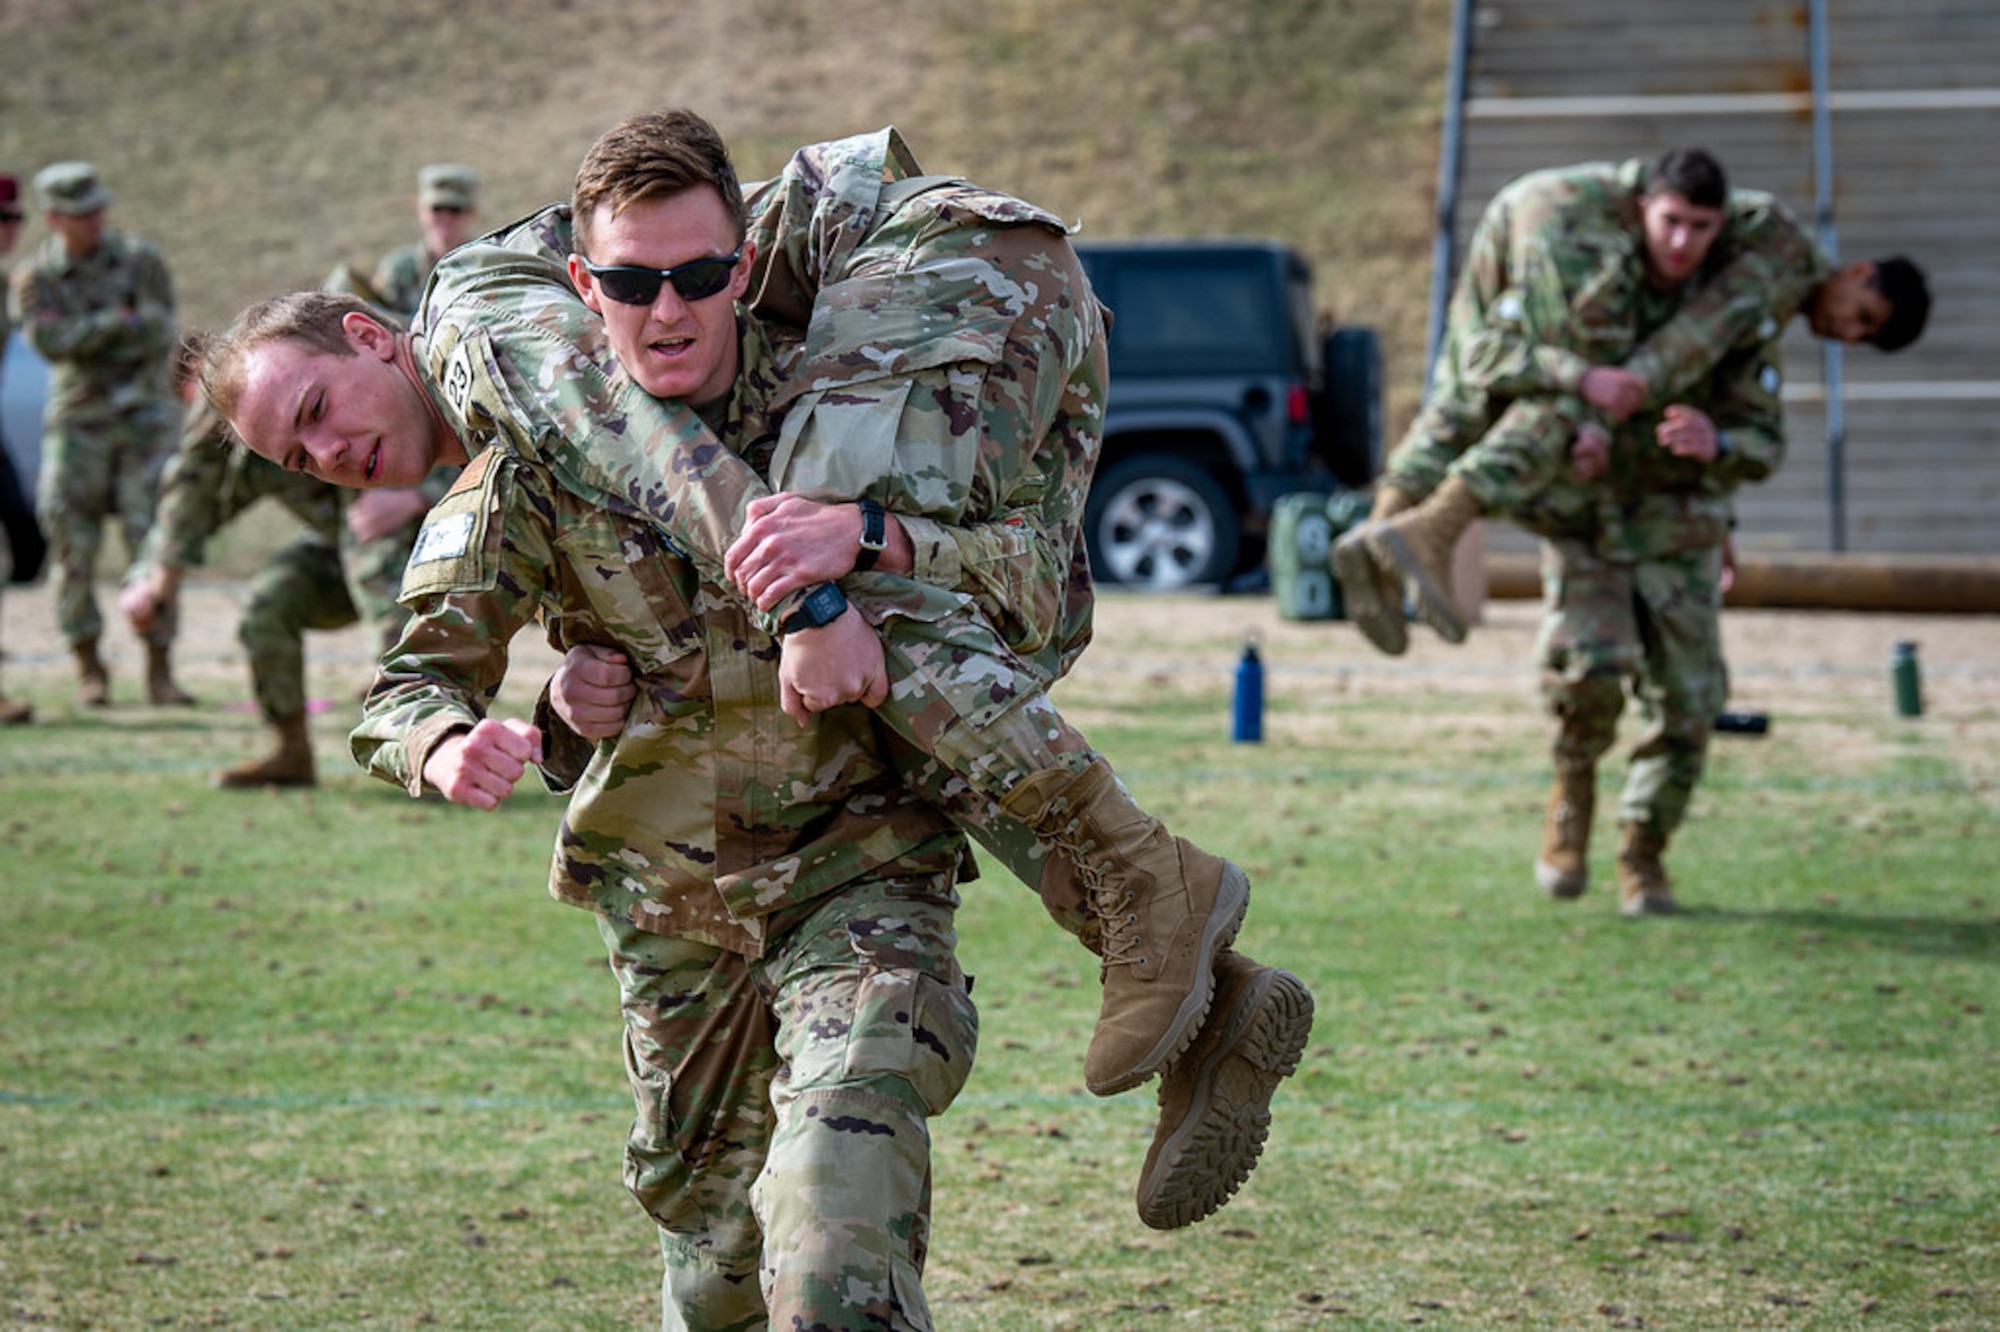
<point x="696" y="280"/>
<point x="9" y="215"/>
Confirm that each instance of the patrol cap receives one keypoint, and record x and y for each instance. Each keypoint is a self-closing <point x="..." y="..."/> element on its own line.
<point x="70" y="187"/>
<point x="449" y="185"/>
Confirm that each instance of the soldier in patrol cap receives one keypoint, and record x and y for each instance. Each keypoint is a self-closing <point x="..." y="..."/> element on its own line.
<point x="448" y="213"/>
<point x="99" y="306"/>
<point x="17" y="515"/>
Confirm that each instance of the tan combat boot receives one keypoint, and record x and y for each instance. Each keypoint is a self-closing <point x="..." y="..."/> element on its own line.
<point x="93" y="682"/>
<point x="1370" y="596"/>
<point x="1416" y="546"/>
<point x="13" y="712"/>
<point x="1215" y="1100"/>
<point x="290" y="762"/>
<point x="161" y="691"/>
<point x="1643" y="887"/>
<point x="1563" y="867"/>
<point x="1163" y="908"/>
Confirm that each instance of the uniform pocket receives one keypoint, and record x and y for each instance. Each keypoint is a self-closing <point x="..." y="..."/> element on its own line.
<point x="915" y="1026"/>
<point x="636" y="586"/>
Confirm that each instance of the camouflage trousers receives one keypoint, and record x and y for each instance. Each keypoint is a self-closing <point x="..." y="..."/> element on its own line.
<point x="310" y="585"/>
<point x="1517" y="467"/>
<point x="966" y="721"/>
<point x="781" y="1139"/>
<point x="977" y="813"/>
<point x="301" y="587"/>
<point x="92" y="475"/>
<point x="1656" y="624"/>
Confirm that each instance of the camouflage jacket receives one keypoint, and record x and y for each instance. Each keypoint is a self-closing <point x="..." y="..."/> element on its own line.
<point x="211" y="478"/>
<point x="898" y="385"/>
<point x="104" y="323"/>
<point x="1554" y="283"/>
<point x="398" y="281"/>
<point x="1652" y="504"/>
<point x="712" y="816"/>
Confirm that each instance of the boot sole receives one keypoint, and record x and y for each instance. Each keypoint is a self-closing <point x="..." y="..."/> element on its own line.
<point x="1361" y="598"/>
<point x="1232" y="901"/>
<point x="1434" y="605"/>
<point x="1198" y="1167"/>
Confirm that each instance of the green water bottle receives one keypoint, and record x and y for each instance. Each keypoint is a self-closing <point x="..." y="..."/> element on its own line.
<point x="1906" y="679"/>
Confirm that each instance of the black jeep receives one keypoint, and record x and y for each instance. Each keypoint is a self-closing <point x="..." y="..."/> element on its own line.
<point x="1225" y="394"/>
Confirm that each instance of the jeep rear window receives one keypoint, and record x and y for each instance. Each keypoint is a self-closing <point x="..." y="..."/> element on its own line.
<point x="1218" y="318"/>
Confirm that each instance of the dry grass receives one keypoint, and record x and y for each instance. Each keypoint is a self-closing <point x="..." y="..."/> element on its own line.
<point x="259" y="143"/>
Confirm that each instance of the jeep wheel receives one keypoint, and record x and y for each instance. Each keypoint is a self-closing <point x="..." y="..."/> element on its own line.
<point x="1160" y="523"/>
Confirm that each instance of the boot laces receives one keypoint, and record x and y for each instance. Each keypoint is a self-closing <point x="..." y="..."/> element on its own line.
<point x="1119" y="936"/>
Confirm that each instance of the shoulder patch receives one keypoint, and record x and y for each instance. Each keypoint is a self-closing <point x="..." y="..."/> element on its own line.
<point x="457" y="548"/>
<point x="456" y="378"/>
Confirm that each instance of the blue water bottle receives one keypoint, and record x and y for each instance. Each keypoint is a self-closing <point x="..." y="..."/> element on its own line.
<point x="1248" y="724"/>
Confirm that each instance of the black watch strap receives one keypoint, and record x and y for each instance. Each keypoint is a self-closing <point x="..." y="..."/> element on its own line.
<point x="817" y="609"/>
<point x="874" y="536"/>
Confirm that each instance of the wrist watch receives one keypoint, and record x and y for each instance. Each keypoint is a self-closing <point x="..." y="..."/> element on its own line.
<point x="817" y="609"/>
<point x="874" y="536"/>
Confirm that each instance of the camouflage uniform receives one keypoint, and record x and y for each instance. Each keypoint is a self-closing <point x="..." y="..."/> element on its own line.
<point x="312" y="582"/>
<point x="777" y="903"/>
<point x="105" y="324"/>
<point x="398" y="280"/>
<point x="1631" y="574"/>
<point x="400" y="276"/>
<point x="1550" y="277"/>
<point x="925" y="414"/>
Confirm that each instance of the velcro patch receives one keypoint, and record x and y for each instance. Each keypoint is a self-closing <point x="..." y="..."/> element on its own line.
<point x="443" y="538"/>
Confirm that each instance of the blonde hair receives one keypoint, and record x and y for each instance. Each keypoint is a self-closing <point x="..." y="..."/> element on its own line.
<point x="313" y="319"/>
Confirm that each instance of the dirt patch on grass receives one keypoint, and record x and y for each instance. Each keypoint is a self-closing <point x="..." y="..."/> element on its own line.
<point x="1814" y="672"/>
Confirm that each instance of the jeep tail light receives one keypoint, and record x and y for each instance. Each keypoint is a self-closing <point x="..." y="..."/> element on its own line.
<point x="1298" y="405"/>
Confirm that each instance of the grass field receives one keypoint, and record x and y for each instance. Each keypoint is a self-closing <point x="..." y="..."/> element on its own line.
<point x="333" y="1060"/>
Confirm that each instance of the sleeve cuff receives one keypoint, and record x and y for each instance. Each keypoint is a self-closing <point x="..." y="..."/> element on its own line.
<point x="934" y="556"/>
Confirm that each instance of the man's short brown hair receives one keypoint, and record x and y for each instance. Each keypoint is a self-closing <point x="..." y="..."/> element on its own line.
<point x="653" y="156"/>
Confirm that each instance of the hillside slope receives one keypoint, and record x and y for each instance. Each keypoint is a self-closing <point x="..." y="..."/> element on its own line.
<point x="260" y="141"/>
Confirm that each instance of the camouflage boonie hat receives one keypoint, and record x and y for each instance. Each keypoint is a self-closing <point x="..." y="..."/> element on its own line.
<point x="71" y="188"/>
<point x="448" y="185"/>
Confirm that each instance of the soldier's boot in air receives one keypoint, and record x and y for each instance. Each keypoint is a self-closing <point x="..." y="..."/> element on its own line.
<point x="1416" y="546"/>
<point x="1215" y="1099"/>
<point x="93" y="682"/>
<point x="13" y="712"/>
<point x="1643" y="886"/>
<point x="1563" y="867"/>
<point x="1371" y="596"/>
<point x="289" y="763"/>
<point x="161" y="691"/>
<point x="1161" y="909"/>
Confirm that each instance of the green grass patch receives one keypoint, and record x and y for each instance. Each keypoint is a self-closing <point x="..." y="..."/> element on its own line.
<point x="333" y="1059"/>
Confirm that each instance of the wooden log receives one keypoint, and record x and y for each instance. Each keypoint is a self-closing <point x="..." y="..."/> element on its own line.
<point x="1918" y="584"/>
